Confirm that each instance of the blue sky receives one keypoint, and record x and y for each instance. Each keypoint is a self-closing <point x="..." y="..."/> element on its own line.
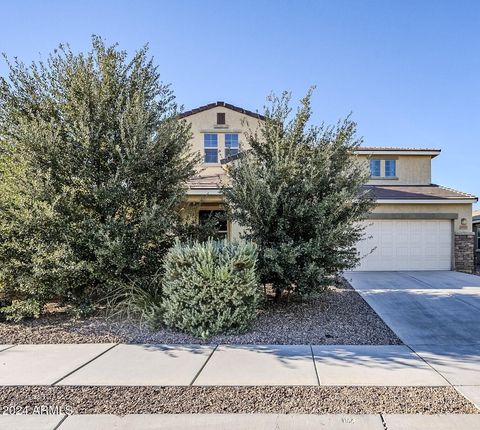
<point x="408" y="70"/>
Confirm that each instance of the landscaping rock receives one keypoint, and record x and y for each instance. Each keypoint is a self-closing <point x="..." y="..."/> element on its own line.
<point x="339" y="317"/>
<point x="267" y="399"/>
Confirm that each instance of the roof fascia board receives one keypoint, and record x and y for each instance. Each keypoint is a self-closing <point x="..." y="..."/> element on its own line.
<point x="383" y="152"/>
<point x="204" y="191"/>
<point x="427" y="201"/>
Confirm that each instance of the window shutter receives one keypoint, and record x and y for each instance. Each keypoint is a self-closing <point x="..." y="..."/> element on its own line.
<point x="221" y="118"/>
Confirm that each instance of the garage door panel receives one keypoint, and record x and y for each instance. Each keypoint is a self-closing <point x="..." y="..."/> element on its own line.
<point x="406" y="245"/>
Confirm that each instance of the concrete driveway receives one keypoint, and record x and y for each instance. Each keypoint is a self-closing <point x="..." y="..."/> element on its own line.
<point x="424" y="308"/>
<point x="437" y="314"/>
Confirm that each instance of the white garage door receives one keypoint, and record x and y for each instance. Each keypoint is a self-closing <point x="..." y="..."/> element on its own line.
<point x="407" y="245"/>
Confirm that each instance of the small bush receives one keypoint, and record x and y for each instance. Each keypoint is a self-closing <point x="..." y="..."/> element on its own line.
<point x="19" y="309"/>
<point x="210" y="287"/>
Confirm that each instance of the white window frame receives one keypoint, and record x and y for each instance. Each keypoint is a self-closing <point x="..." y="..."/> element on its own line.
<point x="229" y="148"/>
<point x="394" y="168"/>
<point x="210" y="148"/>
<point x="379" y="166"/>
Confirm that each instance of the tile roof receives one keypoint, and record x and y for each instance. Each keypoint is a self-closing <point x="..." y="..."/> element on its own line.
<point x="379" y="192"/>
<point x="221" y="104"/>
<point x="392" y="148"/>
<point x="415" y="192"/>
<point x="214" y="179"/>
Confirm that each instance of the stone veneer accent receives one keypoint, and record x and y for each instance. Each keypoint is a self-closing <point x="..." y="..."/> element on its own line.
<point x="464" y="252"/>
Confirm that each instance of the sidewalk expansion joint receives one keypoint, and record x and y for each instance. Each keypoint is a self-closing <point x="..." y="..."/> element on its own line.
<point x="8" y="347"/>
<point x="383" y="422"/>
<point x="428" y="364"/>
<point x="61" y="422"/>
<point x="315" y="365"/>
<point x="203" y="366"/>
<point x="83" y="365"/>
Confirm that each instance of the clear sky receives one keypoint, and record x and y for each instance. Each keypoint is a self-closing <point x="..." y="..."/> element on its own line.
<point x="409" y="70"/>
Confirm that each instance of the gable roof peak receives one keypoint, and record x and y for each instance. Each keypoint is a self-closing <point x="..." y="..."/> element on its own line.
<point x="221" y="104"/>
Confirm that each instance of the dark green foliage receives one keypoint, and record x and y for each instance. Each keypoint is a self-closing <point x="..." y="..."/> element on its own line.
<point x="298" y="194"/>
<point x="193" y="230"/>
<point x="210" y="287"/>
<point x="93" y="163"/>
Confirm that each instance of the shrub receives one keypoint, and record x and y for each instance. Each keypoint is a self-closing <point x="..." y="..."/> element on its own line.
<point x="93" y="166"/>
<point x="19" y="309"/>
<point x="210" y="287"/>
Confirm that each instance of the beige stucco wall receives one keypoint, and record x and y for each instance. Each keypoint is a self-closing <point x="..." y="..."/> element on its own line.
<point x="463" y="211"/>
<point x="206" y="122"/>
<point x="410" y="169"/>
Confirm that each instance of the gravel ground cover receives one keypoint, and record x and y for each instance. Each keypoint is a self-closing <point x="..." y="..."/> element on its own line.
<point x="300" y="400"/>
<point x="340" y="316"/>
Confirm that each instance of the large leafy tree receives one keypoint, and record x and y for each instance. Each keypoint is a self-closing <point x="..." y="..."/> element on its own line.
<point x="93" y="163"/>
<point x="298" y="194"/>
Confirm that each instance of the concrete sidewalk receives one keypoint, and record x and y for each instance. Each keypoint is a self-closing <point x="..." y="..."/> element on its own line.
<point x="241" y="422"/>
<point x="207" y="365"/>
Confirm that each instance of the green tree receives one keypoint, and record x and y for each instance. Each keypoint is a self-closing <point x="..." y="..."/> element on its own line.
<point x="298" y="193"/>
<point x="93" y="166"/>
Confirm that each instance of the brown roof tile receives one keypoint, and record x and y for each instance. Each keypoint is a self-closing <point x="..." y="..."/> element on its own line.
<point x="391" y="148"/>
<point x="214" y="177"/>
<point x="415" y="192"/>
<point x="379" y="192"/>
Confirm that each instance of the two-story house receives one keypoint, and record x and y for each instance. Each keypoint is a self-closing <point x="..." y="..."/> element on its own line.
<point x="415" y="225"/>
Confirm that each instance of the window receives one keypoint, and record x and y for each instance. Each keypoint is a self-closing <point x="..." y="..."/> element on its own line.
<point x="390" y="168"/>
<point x="375" y="168"/>
<point x="210" y="144"/>
<point x="231" y="145"/>
<point x="478" y="237"/>
<point x="218" y="218"/>
<point x="221" y="118"/>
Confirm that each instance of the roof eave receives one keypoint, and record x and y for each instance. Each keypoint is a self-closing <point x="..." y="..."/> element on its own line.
<point x="431" y="153"/>
<point x="222" y="105"/>
<point x="204" y="191"/>
<point x="465" y="200"/>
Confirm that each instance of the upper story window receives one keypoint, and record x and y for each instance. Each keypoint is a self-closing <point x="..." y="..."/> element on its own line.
<point x="221" y="118"/>
<point x="390" y="168"/>
<point x="383" y="169"/>
<point x="375" y="168"/>
<point x="210" y="145"/>
<point x="231" y="144"/>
